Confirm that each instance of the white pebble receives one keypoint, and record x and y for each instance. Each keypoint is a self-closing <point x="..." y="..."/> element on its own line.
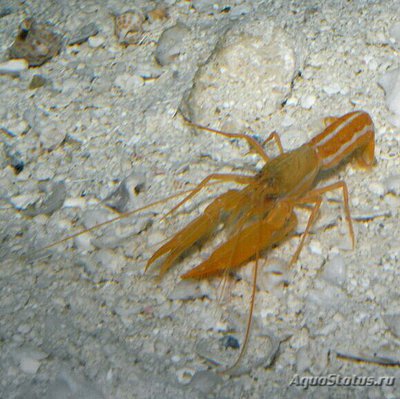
<point x="390" y="82"/>
<point x="109" y="261"/>
<point x="292" y="101"/>
<point x="75" y="202"/>
<point x="315" y="247"/>
<point x="335" y="270"/>
<point x="308" y="101"/>
<point x="127" y="82"/>
<point x="232" y="77"/>
<point x="394" y="32"/>
<point x="175" y="359"/>
<point x="155" y="238"/>
<point x="377" y="188"/>
<point x="331" y="89"/>
<point x="84" y="242"/>
<point x="148" y="71"/>
<point x="95" y="216"/>
<point x="24" y="200"/>
<point x="287" y="121"/>
<point x="29" y="365"/>
<point x="96" y="41"/>
<point x="392" y="184"/>
<point x="20" y="127"/>
<point x="13" y="66"/>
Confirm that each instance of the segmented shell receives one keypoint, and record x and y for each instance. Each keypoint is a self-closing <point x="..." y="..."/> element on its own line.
<point x="129" y="27"/>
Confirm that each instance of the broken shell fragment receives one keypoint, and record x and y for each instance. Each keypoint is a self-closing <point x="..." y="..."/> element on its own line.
<point x="36" y="43"/>
<point x="158" y="14"/>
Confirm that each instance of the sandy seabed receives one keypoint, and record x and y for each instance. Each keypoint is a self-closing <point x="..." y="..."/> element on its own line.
<point x="83" y="320"/>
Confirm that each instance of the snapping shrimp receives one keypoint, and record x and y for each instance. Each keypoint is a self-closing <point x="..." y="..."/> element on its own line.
<point x="263" y="210"/>
<point x="262" y="213"/>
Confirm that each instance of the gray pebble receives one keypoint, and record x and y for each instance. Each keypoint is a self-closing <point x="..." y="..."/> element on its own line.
<point x="246" y="78"/>
<point x="51" y="134"/>
<point x="185" y="290"/>
<point x="171" y="44"/>
<point x="335" y="271"/>
<point x="37" y="81"/>
<point x="53" y="201"/>
<point x="392" y="184"/>
<point x="84" y="33"/>
<point x="205" y="381"/>
<point x="393" y="322"/>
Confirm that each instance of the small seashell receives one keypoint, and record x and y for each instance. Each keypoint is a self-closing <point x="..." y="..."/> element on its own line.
<point x="185" y="375"/>
<point x="129" y="27"/>
<point x="36" y="43"/>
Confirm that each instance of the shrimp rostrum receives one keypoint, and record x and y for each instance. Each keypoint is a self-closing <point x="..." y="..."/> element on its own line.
<point x="261" y="214"/>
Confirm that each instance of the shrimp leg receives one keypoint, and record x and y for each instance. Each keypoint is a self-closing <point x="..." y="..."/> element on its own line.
<point x="253" y="143"/>
<point x="314" y="196"/>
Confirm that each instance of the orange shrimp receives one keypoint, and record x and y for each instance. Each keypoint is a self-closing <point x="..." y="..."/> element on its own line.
<point x="263" y="209"/>
<point x="262" y="212"/>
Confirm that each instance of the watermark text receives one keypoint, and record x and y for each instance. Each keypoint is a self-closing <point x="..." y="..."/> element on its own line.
<point x="331" y="380"/>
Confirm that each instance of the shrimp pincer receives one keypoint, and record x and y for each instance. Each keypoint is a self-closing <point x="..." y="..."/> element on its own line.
<point x="262" y="212"/>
